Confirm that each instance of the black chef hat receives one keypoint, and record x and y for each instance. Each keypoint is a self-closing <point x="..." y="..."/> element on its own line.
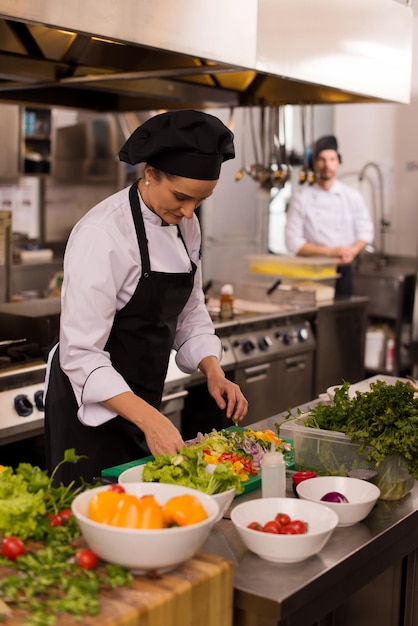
<point x="185" y="143"/>
<point x="328" y="142"/>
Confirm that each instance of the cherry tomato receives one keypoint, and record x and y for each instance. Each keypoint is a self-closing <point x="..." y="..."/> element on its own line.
<point x="118" y="488"/>
<point x="299" y="526"/>
<point x="288" y="530"/>
<point x="86" y="559"/>
<point x="255" y="526"/>
<point x="12" y="547"/>
<point x="65" y="515"/>
<point x="271" y="527"/>
<point x="54" y="520"/>
<point x="282" y="518"/>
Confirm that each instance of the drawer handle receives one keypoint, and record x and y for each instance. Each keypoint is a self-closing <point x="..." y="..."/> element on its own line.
<point x="257" y="369"/>
<point x="174" y="396"/>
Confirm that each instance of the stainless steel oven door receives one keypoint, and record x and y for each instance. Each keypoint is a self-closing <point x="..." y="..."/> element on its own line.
<point x="274" y="386"/>
<point x="172" y="405"/>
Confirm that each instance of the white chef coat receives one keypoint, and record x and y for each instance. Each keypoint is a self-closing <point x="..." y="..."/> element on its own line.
<point x="337" y="217"/>
<point x="102" y="266"/>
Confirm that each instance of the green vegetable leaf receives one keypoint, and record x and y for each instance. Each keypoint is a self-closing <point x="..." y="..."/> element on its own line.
<point x="188" y="468"/>
<point x="384" y="421"/>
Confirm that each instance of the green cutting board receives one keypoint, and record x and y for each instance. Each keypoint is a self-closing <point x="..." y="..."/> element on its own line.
<point x="254" y="482"/>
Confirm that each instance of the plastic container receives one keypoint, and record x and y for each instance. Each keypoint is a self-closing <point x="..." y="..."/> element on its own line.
<point x="273" y="474"/>
<point x="393" y="479"/>
<point x="325" y="452"/>
<point x="331" y="453"/>
<point x="313" y="268"/>
<point x="226" y="302"/>
<point x="375" y="349"/>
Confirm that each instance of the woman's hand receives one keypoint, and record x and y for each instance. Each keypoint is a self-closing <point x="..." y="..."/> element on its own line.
<point x="161" y="435"/>
<point x="225" y="393"/>
<point x="228" y="394"/>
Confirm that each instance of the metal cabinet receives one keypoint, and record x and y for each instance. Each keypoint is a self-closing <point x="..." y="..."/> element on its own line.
<point x="27" y="141"/>
<point x="390" y="291"/>
<point x="340" y="343"/>
<point x="10" y="134"/>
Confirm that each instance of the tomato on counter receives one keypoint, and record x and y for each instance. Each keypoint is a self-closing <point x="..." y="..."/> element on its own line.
<point x="12" y="548"/>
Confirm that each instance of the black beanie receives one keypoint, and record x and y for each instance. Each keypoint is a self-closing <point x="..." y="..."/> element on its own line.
<point x="328" y="142"/>
<point x="184" y="143"/>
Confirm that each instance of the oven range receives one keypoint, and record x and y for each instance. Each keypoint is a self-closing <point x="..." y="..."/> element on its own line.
<point x="274" y="366"/>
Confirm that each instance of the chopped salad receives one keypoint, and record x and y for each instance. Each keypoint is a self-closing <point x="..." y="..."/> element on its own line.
<point x="232" y="456"/>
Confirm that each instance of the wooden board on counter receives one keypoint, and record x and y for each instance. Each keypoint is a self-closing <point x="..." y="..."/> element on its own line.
<point x="199" y="591"/>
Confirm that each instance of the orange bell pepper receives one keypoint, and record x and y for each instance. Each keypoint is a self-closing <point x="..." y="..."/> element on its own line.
<point x="102" y="506"/>
<point x="127" y="513"/>
<point x="151" y="514"/>
<point x="126" y="510"/>
<point x="183" y="511"/>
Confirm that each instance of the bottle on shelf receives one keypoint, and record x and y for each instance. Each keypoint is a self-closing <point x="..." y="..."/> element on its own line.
<point x="390" y="354"/>
<point x="226" y="302"/>
<point x="273" y="474"/>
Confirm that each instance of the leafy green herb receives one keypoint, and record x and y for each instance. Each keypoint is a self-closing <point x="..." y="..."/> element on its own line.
<point x="48" y="581"/>
<point x="27" y="495"/>
<point x="384" y="421"/>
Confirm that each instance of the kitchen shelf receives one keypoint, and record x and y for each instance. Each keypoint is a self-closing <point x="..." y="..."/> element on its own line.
<point x="36" y="141"/>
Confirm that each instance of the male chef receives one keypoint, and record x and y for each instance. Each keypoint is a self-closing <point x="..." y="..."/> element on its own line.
<point x="329" y="218"/>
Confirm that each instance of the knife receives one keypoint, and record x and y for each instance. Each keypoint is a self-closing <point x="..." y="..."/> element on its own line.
<point x="273" y="287"/>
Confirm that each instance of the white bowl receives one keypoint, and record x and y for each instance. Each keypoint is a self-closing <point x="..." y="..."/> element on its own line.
<point x="361" y="496"/>
<point x="284" y="548"/>
<point x="145" y="550"/>
<point x="224" y="499"/>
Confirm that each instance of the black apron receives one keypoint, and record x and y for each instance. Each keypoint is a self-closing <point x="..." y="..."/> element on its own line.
<point x="139" y="345"/>
<point x="344" y="284"/>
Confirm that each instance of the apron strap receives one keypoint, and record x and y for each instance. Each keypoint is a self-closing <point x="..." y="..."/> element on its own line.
<point x="140" y="229"/>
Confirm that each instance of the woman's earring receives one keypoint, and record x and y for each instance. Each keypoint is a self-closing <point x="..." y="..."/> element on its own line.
<point x="147" y="182"/>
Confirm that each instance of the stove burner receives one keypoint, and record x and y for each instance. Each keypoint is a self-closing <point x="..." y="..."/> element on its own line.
<point x="17" y="352"/>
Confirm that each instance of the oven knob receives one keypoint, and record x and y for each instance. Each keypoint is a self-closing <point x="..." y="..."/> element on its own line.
<point x="303" y="334"/>
<point x="264" y="343"/>
<point x="286" y="338"/>
<point x="247" y="346"/>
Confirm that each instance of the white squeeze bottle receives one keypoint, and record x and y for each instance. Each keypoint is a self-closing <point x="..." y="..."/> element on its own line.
<point x="273" y="474"/>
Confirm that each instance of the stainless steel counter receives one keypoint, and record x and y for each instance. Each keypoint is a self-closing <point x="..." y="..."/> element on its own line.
<point x="303" y="594"/>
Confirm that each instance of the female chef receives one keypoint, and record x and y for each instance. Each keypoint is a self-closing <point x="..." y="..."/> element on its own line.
<point x="132" y="292"/>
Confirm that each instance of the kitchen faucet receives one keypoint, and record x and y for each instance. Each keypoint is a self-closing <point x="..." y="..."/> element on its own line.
<point x="382" y="222"/>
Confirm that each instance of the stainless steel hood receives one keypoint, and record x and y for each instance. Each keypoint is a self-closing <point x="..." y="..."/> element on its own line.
<point x="133" y="55"/>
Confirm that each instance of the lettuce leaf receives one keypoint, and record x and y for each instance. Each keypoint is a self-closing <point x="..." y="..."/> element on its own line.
<point x="189" y="469"/>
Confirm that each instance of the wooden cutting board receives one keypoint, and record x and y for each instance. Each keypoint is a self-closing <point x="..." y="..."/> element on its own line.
<point x="198" y="592"/>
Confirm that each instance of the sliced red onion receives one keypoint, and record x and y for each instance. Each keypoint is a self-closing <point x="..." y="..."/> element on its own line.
<point x="334" y="496"/>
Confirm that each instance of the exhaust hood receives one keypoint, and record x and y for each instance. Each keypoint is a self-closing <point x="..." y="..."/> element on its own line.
<point x="134" y="55"/>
